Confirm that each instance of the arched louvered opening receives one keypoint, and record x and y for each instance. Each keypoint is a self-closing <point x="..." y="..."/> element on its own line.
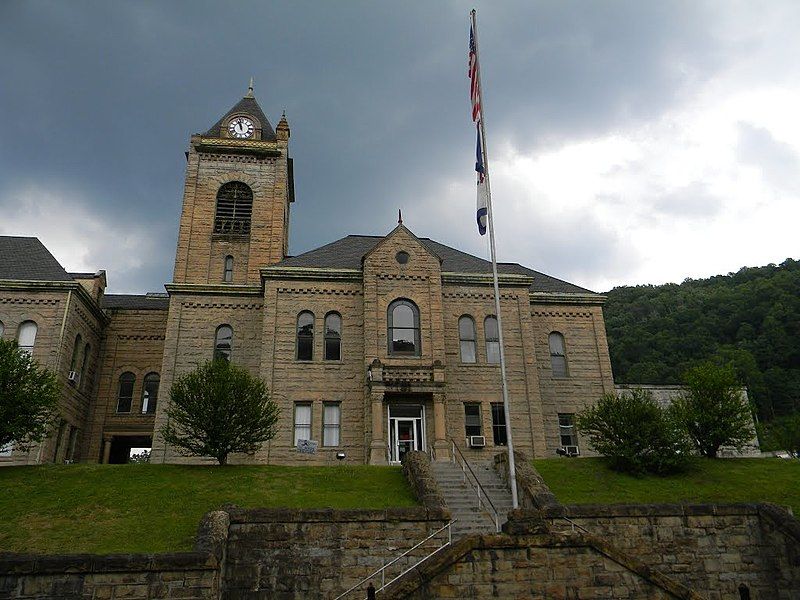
<point x="234" y="209"/>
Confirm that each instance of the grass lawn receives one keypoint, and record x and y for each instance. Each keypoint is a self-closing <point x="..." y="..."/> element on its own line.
<point x="590" y="481"/>
<point x="156" y="508"/>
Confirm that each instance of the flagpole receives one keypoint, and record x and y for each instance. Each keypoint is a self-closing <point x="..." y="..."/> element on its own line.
<point x="512" y="471"/>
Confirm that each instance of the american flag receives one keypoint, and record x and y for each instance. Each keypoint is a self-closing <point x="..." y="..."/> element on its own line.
<point x="474" y="88"/>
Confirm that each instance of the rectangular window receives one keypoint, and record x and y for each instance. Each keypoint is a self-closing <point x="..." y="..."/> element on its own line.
<point x="472" y="419"/>
<point x="499" y="424"/>
<point x="302" y="421"/>
<point x="331" y="423"/>
<point x="566" y="429"/>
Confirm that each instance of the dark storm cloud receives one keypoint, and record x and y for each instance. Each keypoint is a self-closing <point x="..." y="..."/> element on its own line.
<point x="100" y="98"/>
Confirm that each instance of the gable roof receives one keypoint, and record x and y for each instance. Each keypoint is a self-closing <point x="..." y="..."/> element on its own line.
<point x="347" y="253"/>
<point x="247" y="105"/>
<point x="26" y="259"/>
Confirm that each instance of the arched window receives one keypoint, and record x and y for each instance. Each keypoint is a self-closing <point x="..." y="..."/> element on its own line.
<point x="492" y="334"/>
<point x="85" y="362"/>
<point x="466" y="338"/>
<point x="227" y="275"/>
<point x="26" y="336"/>
<point x="558" y="355"/>
<point x="2" y="329"/>
<point x="125" y="394"/>
<point x="234" y="209"/>
<point x="150" y="393"/>
<point x="403" y="328"/>
<point x="333" y="336"/>
<point x="223" y="342"/>
<point x="305" y="335"/>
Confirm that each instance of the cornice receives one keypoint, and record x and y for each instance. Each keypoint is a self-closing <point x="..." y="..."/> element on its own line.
<point x="505" y="279"/>
<point x="232" y="146"/>
<point x="311" y="273"/>
<point x="57" y="286"/>
<point x="565" y="298"/>
<point x="213" y="289"/>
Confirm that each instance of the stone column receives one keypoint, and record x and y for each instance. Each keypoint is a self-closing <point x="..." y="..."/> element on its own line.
<point x="377" y="448"/>
<point x="106" y="450"/>
<point x="440" y="443"/>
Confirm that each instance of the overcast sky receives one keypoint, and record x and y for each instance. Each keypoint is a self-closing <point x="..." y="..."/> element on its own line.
<point x="629" y="142"/>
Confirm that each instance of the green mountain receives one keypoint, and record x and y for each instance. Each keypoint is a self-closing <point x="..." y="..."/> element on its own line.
<point x="750" y="318"/>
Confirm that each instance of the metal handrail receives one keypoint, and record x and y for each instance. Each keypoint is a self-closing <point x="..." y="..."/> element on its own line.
<point x="479" y="487"/>
<point x="382" y="570"/>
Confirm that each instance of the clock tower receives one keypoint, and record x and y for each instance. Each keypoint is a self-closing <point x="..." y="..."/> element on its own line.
<point x="237" y="193"/>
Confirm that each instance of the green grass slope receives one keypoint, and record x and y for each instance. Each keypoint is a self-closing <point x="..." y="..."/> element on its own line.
<point x="590" y="481"/>
<point x="156" y="508"/>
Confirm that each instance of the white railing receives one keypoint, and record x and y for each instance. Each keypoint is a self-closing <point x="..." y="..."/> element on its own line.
<point x="484" y="502"/>
<point x="382" y="570"/>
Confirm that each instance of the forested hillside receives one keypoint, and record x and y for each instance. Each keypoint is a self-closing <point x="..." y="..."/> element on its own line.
<point x="750" y="318"/>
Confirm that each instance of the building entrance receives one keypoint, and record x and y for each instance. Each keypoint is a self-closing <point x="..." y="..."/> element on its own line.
<point x="406" y="430"/>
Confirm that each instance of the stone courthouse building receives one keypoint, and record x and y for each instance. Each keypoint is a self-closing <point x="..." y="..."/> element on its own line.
<point x="371" y="345"/>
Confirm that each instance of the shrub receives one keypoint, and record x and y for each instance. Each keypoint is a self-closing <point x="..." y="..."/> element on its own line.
<point x="635" y="434"/>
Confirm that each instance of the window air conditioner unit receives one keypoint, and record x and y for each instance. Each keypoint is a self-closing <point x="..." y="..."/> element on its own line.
<point x="73" y="377"/>
<point x="571" y="451"/>
<point x="477" y="441"/>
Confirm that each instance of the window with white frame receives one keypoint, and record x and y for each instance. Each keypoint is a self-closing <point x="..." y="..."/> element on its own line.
<point x="331" y="423"/>
<point x="26" y="336"/>
<point x="492" y="333"/>
<point x="466" y="339"/>
<point x="302" y="421"/>
<point x="472" y="419"/>
<point x="566" y="430"/>
<point x="558" y="355"/>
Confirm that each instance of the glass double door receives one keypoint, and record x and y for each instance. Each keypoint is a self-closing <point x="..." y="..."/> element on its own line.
<point x="406" y="430"/>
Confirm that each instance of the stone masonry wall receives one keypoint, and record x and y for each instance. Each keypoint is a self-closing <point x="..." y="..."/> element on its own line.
<point x="298" y="554"/>
<point x="713" y="549"/>
<point x="186" y="575"/>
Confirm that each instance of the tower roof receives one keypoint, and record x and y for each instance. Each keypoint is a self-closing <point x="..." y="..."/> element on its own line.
<point x="248" y="106"/>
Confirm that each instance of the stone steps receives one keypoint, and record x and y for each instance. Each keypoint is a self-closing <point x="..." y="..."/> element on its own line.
<point x="462" y="499"/>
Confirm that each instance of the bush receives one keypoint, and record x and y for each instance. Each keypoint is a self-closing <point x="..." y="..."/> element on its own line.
<point x="635" y="434"/>
<point x="219" y="409"/>
<point x="713" y="409"/>
<point x="783" y="434"/>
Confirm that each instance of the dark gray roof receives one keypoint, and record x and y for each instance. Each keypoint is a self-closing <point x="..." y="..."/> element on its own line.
<point x="347" y="253"/>
<point x="26" y="259"/>
<point x="249" y="106"/>
<point x="135" y="301"/>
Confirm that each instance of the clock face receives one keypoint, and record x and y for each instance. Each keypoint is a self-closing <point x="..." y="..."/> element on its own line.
<point x="241" y="127"/>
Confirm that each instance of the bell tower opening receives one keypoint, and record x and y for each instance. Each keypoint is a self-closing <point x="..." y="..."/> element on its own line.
<point x="237" y="196"/>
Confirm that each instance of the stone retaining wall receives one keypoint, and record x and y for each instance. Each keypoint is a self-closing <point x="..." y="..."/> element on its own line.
<point x="289" y="553"/>
<point x="187" y="575"/>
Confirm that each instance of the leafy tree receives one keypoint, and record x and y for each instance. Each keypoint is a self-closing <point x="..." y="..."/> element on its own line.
<point x="28" y="398"/>
<point x="635" y="433"/>
<point x="713" y="409"/>
<point x="218" y="409"/>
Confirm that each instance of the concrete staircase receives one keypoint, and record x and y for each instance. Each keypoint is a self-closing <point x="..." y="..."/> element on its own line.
<point x="462" y="499"/>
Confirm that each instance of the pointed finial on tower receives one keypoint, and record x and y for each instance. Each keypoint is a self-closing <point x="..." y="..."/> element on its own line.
<point x="399" y="217"/>
<point x="250" y="89"/>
